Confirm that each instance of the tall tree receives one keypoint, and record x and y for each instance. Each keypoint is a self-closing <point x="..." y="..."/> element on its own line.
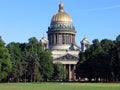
<point x="80" y="65"/>
<point x="16" y="59"/>
<point x="32" y="54"/>
<point x="115" y="59"/>
<point x="60" y="72"/>
<point x="107" y="45"/>
<point x="5" y="63"/>
<point x="46" y="63"/>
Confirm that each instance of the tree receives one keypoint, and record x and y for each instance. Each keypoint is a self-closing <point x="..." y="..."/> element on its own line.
<point x="115" y="59"/>
<point x="60" y="72"/>
<point x="107" y="45"/>
<point x="16" y="59"/>
<point x="32" y="54"/>
<point x="80" y="65"/>
<point x="96" y="47"/>
<point x="5" y="63"/>
<point x="46" y="63"/>
<point x="94" y="63"/>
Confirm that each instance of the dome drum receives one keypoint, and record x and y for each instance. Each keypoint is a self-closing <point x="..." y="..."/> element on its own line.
<point x="61" y="26"/>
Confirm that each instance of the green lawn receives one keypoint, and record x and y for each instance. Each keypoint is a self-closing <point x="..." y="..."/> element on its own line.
<point x="59" y="86"/>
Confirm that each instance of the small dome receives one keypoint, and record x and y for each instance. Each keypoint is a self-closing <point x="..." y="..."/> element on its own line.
<point x="85" y="40"/>
<point x="61" y="16"/>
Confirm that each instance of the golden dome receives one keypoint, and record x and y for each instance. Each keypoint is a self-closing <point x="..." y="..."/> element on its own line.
<point x="61" y="16"/>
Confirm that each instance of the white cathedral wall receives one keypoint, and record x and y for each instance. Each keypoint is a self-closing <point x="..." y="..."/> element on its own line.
<point x="60" y="53"/>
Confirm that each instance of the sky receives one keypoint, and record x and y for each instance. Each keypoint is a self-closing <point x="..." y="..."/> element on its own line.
<point x="23" y="19"/>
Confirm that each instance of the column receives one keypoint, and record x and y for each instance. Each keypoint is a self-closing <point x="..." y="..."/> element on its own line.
<point x="74" y="74"/>
<point x="54" y="39"/>
<point x="74" y="38"/>
<point x="60" y="39"/>
<point x="65" y="38"/>
<point x="71" y="38"/>
<point x="69" y="68"/>
<point x="64" y="66"/>
<point x="57" y="38"/>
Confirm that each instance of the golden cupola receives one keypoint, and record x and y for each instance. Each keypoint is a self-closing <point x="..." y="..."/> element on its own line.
<point x="61" y="20"/>
<point x="61" y="15"/>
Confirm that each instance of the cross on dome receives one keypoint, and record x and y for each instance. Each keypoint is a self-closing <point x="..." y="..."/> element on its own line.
<point x="61" y="7"/>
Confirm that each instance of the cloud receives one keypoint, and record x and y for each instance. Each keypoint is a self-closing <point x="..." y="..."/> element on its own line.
<point x="102" y="8"/>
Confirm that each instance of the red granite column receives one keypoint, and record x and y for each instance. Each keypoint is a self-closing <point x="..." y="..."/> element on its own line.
<point x="60" y="37"/>
<point x="65" y="38"/>
<point x="71" y="39"/>
<point x="69" y="71"/>
<point x="57" y="38"/>
<point x="74" y="74"/>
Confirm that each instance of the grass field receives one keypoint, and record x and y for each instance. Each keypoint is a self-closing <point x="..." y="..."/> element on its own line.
<point x="59" y="86"/>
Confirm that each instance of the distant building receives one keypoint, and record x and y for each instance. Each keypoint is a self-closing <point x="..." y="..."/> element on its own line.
<point x="61" y="42"/>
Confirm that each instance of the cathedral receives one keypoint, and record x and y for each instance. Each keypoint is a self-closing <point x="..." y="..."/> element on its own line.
<point x="61" y="41"/>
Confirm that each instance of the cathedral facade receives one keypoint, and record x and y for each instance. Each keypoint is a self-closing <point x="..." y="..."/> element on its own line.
<point x="61" y="41"/>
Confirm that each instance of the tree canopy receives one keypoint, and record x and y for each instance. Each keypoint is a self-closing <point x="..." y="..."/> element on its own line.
<point x="30" y="61"/>
<point x="5" y="63"/>
<point x="101" y="62"/>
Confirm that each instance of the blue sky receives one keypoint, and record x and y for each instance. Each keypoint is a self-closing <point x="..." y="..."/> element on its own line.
<point x="22" y="19"/>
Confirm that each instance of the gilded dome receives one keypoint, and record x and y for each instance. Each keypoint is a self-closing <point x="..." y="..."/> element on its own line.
<point x="61" y="16"/>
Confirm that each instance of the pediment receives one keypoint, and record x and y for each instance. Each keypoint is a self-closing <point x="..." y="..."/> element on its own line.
<point x="67" y="57"/>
